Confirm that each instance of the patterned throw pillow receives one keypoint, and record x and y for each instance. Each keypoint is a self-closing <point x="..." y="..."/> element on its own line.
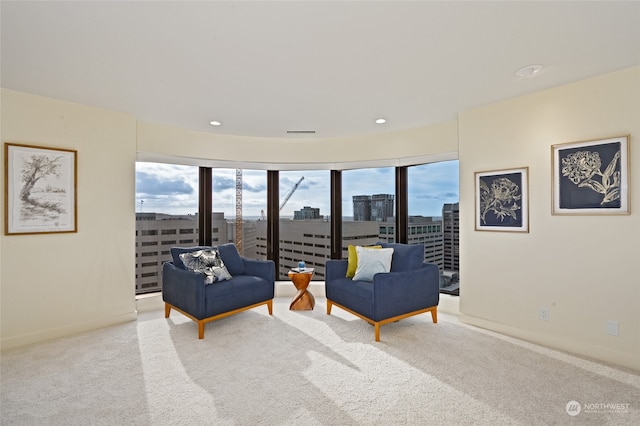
<point x="208" y="263"/>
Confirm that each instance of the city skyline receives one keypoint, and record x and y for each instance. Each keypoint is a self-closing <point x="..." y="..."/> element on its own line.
<point x="173" y="189"/>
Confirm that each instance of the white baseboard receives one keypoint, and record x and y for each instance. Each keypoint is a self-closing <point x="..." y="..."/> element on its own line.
<point x="149" y="302"/>
<point x="558" y="342"/>
<point x="449" y="304"/>
<point x="68" y="330"/>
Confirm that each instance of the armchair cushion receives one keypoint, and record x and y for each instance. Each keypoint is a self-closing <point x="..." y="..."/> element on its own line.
<point x="406" y="257"/>
<point x="177" y="251"/>
<point x="232" y="259"/>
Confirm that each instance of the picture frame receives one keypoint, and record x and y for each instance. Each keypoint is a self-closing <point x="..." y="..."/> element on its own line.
<point x="502" y="200"/>
<point x="40" y="192"/>
<point x="591" y="177"/>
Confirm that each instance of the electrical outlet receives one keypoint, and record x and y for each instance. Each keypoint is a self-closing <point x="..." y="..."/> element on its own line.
<point x="543" y="314"/>
<point x="612" y="328"/>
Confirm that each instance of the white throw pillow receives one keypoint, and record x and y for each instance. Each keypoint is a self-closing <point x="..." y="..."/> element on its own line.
<point x="371" y="262"/>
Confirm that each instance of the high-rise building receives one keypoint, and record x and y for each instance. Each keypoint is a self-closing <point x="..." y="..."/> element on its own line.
<point x="156" y="233"/>
<point x="310" y="241"/>
<point x="451" y="243"/>
<point x="428" y="231"/>
<point x="307" y="212"/>
<point x="421" y="230"/>
<point x="361" y="208"/>
<point x="306" y="238"/>
<point x="382" y="207"/>
<point x="377" y="207"/>
<point x="248" y="248"/>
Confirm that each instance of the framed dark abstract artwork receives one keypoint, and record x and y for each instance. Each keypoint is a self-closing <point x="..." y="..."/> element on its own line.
<point x="40" y="190"/>
<point x="591" y="177"/>
<point x="502" y="200"/>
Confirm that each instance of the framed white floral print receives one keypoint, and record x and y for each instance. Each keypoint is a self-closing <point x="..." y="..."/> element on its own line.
<point x="502" y="200"/>
<point x="591" y="177"/>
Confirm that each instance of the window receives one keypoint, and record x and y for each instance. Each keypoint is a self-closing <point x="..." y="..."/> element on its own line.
<point x="166" y="204"/>
<point x="239" y="208"/>
<point x="433" y="211"/>
<point x="368" y="206"/>
<point x="167" y="214"/>
<point x="304" y="211"/>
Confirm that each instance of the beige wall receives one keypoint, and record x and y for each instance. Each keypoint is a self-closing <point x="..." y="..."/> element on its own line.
<point x="57" y="284"/>
<point x="585" y="269"/>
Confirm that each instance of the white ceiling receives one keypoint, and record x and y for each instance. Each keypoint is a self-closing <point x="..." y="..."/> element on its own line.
<point x="262" y="68"/>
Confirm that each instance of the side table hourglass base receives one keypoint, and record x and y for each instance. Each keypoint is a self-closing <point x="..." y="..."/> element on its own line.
<point x="303" y="300"/>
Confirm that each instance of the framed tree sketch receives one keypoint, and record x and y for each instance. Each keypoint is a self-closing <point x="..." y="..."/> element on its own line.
<point x="40" y="190"/>
<point x="591" y="177"/>
<point x="502" y="200"/>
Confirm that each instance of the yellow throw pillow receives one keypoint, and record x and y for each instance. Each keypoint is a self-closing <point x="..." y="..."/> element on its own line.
<point x="353" y="259"/>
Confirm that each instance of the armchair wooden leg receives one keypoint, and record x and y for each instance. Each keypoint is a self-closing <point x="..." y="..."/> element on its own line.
<point x="329" y="304"/>
<point x="167" y="310"/>
<point x="270" y="307"/>
<point x="200" y="329"/>
<point x="377" y="329"/>
<point x="434" y="315"/>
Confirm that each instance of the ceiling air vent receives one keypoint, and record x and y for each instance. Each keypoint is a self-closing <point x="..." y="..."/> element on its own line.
<point x="304" y="132"/>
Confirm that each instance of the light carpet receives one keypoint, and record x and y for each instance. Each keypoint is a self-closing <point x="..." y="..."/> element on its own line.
<point x="307" y="368"/>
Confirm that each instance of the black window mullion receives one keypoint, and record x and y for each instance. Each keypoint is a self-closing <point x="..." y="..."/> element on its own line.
<point x="336" y="214"/>
<point x="273" y="218"/>
<point x="402" y="205"/>
<point x="205" y="196"/>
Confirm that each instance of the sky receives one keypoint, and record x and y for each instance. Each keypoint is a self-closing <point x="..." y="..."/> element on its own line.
<point x="173" y="189"/>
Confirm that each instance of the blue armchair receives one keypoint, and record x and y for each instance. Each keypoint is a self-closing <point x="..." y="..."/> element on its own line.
<point x="410" y="288"/>
<point x="251" y="285"/>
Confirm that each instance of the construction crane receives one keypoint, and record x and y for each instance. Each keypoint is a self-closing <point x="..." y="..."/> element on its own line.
<point x="291" y="193"/>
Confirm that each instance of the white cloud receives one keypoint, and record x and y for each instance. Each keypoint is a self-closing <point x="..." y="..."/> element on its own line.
<point x="173" y="189"/>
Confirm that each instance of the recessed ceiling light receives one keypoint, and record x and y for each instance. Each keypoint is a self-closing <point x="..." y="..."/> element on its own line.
<point x="529" y="71"/>
<point x="381" y="120"/>
<point x="215" y="123"/>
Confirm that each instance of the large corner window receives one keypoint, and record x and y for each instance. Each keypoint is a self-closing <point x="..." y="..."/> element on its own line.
<point x="167" y="206"/>
<point x="166" y="216"/>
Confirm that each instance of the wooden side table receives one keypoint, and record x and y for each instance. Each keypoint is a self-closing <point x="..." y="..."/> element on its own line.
<point x="303" y="300"/>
